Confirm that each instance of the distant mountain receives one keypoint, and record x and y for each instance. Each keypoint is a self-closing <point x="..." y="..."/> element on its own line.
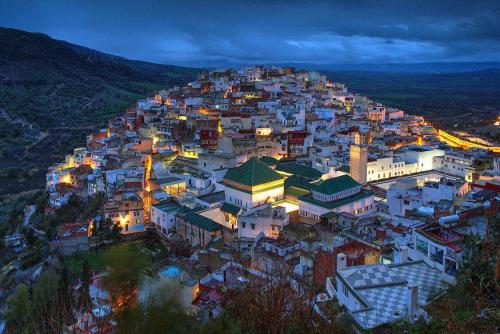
<point x="440" y="67"/>
<point x="436" y="67"/>
<point x="47" y="84"/>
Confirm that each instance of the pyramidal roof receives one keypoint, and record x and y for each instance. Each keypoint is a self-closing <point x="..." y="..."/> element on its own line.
<point x="253" y="172"/>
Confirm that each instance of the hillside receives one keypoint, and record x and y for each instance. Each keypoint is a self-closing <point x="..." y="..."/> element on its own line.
<point x="47" y="85"/>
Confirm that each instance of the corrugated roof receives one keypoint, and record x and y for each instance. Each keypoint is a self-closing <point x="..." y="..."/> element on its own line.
<point x="253" y="172"/>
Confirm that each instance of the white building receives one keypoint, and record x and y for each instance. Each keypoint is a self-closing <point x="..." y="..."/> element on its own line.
<point x="403" y="195"/>
<point x="422" y="156"/>
<point x="411" y="159"/>
<point x="445" y="189"/>
<point x="338" y="194"/>
<point x="379" y="294"/>
<point x="387" y="166"/>
<point x="454" y="165"/>
<point x="438" y="246"/>
<point x="253" y="184"/>
<point x="163" y="216"/>
<point x="265" y="219"/>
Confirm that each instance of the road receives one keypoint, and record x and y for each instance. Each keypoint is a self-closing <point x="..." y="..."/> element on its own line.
<point x="28" y="213"/>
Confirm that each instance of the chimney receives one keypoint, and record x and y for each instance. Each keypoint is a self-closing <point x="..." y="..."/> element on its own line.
<point x="341" y="261"/>
<point x="403" y="254"/>
<point x="412" y="296"/>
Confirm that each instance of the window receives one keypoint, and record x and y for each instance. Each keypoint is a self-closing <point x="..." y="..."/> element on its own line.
<point x="253" y="226"/>
<point x="422" y="246"/>
<point x="243" y="224"/>
<point x="345" y="290"/>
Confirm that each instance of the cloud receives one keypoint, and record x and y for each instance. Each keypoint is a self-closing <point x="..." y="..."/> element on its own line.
<point x="191" y="31"/>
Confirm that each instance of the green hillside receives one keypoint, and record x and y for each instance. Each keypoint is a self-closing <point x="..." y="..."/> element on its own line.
<point x="47" y="85"/>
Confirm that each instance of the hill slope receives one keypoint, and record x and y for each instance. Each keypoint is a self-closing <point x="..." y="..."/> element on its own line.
<point x="48" y="84"/>
<point x="468" y="100"/>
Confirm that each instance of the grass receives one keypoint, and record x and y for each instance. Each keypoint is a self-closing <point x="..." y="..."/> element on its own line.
<point x="98" y="261"/>
<point x="74" y="263"/>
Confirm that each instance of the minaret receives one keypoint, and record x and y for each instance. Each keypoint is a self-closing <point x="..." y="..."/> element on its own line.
<point x="358" y="161"/>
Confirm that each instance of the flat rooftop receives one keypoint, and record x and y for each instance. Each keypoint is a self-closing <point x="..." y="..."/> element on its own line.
<point x="420" y="178"/>
<point x="212" y="198"/>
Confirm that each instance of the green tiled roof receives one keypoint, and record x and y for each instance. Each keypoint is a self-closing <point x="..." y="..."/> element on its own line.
<point x="344" y="168"/>
<point x="335" y="204"/>
<point x="269" y="160"/>
<point x="201" y="221"/>
<point x="336" y="184"/>
<point x="298" y="182"/>
<point x="253" y="172"/>
<point x="230" y="208"/>
<point x="300" y="170"/>
<point x="296" y="192"/>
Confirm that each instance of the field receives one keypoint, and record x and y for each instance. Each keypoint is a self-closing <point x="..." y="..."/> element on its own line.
<point x="468" y="101"/>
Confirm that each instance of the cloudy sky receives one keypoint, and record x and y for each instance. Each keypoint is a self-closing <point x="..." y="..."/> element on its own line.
<point x="267" y="31"/>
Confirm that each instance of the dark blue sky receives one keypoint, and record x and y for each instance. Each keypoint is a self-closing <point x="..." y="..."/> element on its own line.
<point x="267" y="31"/>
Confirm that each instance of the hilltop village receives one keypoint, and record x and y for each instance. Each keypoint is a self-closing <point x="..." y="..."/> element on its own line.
<point x="258" y="173"/>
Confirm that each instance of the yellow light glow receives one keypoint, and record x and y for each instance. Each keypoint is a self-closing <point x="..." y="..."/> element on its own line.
<point x="190" y="154"/>
<point x="183" y="117"/>
<point x="289" y="207"/>
<point x="466" y="144"/>
<point x="264" y="131"/>
<point x="65" y="179"/>
<point x="123" y="220"/>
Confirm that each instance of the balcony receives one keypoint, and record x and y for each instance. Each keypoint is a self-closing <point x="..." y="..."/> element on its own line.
<point x="437" y="256"/>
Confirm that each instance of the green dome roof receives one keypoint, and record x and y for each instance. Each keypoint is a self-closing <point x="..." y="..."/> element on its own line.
<point x="252" y="173"/>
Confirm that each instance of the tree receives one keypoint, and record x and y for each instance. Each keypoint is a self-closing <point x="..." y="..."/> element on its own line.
<point x="29" y="235"/>
<point x="85" y="300"/>
<point x="19" y="310"/>
<point x="3" y="232"/>
<point x="155" y="319"/>
<point x="271" y="304"/>
<point x="65" y="297"/>
<point x="124" y="264"/>
<point x="93" y="206"/>
<point x="36" y="309"/>
<point x="106" y="230"/>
